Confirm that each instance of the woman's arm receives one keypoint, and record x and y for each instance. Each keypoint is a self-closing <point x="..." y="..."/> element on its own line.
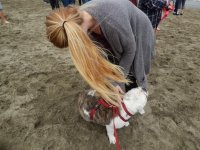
<point x="122" y="42"/>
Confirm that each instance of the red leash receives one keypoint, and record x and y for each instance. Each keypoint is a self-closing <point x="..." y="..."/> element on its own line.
<point x="166" y="12"/>
<point x="115" y="112"/>
<point x="115" y="134"/>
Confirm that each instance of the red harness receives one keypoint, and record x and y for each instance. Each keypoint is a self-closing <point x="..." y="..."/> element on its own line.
<point x="116" y="112"/>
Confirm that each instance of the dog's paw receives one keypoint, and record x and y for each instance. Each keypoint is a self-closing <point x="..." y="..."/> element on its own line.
<point x="126" y="124"/>
<point x="112" y="139"/>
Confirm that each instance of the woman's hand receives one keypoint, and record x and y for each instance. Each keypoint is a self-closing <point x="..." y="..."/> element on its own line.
<point x="120" y="92"/>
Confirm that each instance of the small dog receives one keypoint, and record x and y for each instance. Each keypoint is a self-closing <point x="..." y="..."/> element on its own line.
<point x="133" y="102"/>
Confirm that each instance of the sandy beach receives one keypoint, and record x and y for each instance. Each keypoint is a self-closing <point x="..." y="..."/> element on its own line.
<point x="39" y="86"/>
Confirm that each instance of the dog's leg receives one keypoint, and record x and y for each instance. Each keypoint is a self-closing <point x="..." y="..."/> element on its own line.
<point x="141" y="110"/>
<point x="126" y="124"/>
<point x="110" y="133"/>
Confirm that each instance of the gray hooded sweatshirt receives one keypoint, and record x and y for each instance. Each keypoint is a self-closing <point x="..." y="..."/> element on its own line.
<point x="129" y="34"/>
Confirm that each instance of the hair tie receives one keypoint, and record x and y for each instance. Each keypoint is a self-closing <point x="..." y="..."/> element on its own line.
<point x="64" y="29"/>
<point x="63" y="24"/>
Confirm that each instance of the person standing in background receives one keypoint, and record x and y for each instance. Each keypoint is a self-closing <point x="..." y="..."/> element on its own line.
<point x="179" y="6"/>
<point x="153" y="9"/>
<point x="2" y="16"/>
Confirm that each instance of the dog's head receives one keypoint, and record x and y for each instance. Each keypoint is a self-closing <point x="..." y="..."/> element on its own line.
<point x="87" y="101"/>
<point x="135" y="100"/>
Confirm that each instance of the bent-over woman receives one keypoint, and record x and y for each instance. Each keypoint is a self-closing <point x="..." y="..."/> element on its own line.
<point x="111" y="44"/>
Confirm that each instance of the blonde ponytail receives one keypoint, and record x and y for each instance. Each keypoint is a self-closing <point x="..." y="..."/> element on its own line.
<point x="63" y="30"/>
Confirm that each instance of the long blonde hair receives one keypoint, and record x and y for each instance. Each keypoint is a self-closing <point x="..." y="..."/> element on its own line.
<point x="63" y="30"/>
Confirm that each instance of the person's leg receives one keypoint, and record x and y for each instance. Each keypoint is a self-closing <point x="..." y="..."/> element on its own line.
<point x="85" y="1"/>
<point x="2" y="16"/>
<point x="79" y="1"/>
<point x="57" y="3"/>
<point x="53" y="3"/>
<point x="176" y="7"/>
<point x="133" y="83"/>
<point x="182" y="7"/>
<point x="179" y="6"/>
<point x="158" y="21"/>
<point x="67" y="2"/>
<point x="71" y="1"/>
<point x="183" y="4"/>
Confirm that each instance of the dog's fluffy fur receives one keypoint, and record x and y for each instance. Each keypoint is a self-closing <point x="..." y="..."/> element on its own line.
<point x="134" y="100"/>
<point x="87" y="101"/>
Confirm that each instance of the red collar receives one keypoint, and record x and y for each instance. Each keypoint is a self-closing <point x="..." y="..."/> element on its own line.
<point x="127" y="112"/>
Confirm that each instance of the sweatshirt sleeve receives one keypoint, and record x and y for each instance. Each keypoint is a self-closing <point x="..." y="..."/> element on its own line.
<point x="129" y="48"/>
<point x="153" y="4"/>
<point x="122" y="41"/>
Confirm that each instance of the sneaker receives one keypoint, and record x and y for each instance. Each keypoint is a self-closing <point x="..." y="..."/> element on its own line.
<point x="175" y="13"/>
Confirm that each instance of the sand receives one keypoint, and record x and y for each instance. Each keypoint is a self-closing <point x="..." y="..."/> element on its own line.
<point x="39" y="87"/>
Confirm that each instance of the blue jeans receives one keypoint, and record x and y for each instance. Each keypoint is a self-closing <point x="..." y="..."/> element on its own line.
<point x="84" y="1"/>
<point x="67" y="2"/>
<point x="55" y="3"/>
<point x="180" y="4"/>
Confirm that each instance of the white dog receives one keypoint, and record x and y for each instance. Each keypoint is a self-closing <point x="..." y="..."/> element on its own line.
<point x="133" y="102"/>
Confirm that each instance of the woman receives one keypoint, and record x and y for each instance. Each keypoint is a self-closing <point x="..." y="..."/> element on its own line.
<point x="124" y="35"/>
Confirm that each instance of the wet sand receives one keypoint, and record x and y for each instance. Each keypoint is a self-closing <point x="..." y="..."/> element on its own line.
<point x="39" y="87"/>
